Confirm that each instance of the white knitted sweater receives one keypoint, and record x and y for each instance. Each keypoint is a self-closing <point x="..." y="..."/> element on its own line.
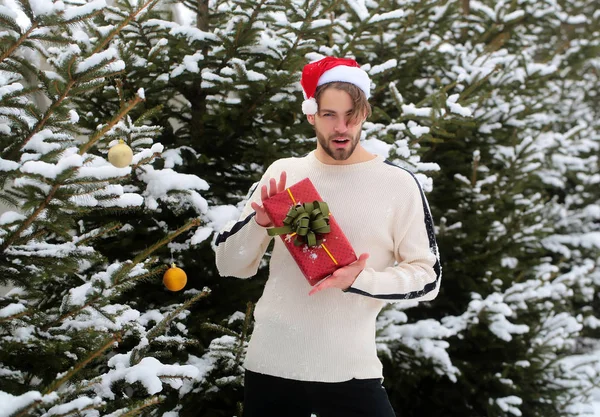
<point x="330" y="336"/>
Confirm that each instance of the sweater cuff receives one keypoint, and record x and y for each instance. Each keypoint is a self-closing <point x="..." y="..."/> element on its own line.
<point x="363" y="280"/>
<point x="256" y="229"/>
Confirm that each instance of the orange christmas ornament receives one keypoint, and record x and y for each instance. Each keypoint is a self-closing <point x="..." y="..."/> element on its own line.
<point x="174" y="278"/>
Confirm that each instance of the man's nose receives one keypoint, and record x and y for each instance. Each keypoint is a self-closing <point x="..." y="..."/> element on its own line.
<point x="341" y="126"/>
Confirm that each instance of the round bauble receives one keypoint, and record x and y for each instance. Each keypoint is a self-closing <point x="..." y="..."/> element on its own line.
<point x="174" y="278"/>
<point x="120" y="155"/>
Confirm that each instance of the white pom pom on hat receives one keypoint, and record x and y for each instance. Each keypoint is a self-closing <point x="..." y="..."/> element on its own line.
<point x="328" y="70"/>
<point x="309" y="106"/>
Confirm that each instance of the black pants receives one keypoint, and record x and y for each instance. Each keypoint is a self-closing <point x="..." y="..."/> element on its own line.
<point x="270" y="396"/>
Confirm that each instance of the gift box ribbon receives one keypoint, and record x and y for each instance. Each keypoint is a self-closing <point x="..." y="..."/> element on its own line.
<point x="308" y="222"/>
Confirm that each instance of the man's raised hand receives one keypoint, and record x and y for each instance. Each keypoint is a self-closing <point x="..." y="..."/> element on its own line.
<point x="274" y="188"/>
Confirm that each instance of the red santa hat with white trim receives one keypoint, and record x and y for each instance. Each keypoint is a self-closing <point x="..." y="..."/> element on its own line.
<point x="328" y="70"/>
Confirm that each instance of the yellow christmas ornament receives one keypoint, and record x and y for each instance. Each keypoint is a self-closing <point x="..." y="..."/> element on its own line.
<point x="120" y="155"/>
<point x="174" y="278"/>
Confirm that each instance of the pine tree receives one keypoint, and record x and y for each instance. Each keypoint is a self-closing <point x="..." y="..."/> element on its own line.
<point x="224" y="76"/>
<point x="69" y="341"/>
<point x="493" y="105"/>
<point x="510" y="312"/>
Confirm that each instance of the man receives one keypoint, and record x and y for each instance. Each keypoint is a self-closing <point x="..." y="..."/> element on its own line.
<point x="313" y="349"/>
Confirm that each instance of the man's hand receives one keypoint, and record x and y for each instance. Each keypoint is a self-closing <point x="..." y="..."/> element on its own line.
<point x="261" y="214"/>
<point x="344" y="277"/>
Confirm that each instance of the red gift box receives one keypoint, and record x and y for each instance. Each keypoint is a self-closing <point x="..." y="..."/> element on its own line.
<point x="315" y="262"/>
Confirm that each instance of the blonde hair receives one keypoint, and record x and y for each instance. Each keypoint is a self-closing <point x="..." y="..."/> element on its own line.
<point x="361" y="105"/>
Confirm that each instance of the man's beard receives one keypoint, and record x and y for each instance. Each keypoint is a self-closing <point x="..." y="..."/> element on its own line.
<point x="339" y="154"/>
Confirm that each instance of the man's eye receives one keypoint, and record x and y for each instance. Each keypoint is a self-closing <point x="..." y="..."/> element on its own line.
<point x="327" y="115"/>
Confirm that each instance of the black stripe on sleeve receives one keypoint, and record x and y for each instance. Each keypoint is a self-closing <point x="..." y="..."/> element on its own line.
<point x="432" y="246"/>
<point x="222" y="237"/>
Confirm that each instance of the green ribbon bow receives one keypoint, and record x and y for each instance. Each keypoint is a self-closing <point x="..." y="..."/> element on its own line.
<point x="307" y="220"/>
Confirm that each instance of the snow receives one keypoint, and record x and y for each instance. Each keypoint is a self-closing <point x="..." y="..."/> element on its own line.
<point x="417" y="130"/>
<point x="189" y="32"/>
<point x="255" y="76"/>
<point x="9" y="217"/>
<point x="513" y="16"/>
<point x="555" y="157"/>
<point x="451" y="102"/>
<point x="222" y="215"/>
<point x="412" y="110"/>
<point x="10" y="88"/>
<point x="148" y="372"/>
<point x="358" y="6"/>
<point x="62" y="250"/>
<point x="7" y="166"/>
<point x="6" y="11"/>
<point x="51" y="171"/>
<point x="161" y="182"/>
<point x="78" y="295"/>
<point x="41" y="142"/>
<point x="71" y="407"/>
<point x="201" y="234"/>
<point x="396" y="14"/>
<point x="377" y="69"/>
<point x="12" y="309"/>
<point x="73" y="116"/>
<point x="41" y="7"/>
<point x="190" y="64"/>
<point x="507" y="404"/>
<point x="377" y="147"/>
<point x="76" y="12"/>
<point x="11" y="403"/>
<point x="99" y="57"/>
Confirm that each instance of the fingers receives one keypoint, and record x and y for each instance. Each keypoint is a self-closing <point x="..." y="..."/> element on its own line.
<point x="319" y="287"/>
<point x="282" y="179"/>
<point x="263" y="193"/>
<point x="260" y="210"/>
<point x="363" y="257"/>
<point x="274" y="187"/>
<point x="257" y="208"/>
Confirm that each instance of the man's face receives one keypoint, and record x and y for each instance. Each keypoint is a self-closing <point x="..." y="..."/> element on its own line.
<point x="335" y="135"/>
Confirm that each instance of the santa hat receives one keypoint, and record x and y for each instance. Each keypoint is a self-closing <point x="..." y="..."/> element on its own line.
<point x="328" y="70"/>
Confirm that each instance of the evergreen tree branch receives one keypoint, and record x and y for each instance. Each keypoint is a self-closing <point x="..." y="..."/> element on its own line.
<point x="156" y="271"/>
<point x="15" y="316"/>
<point x="90" y="303"/>
<point x="54" y="386"/>
<point x="247" y="319"/>
<point x="219" y="328"/>
<point x="99" y="234"/>
<point x="145" y="254"/>
<point x="55" y="104"/>
<point x="150" y="402"/>
<point x="139" y="351"/>
<point x="94" y="299"/>
<point x="19" y="41"/>
<point x="25" y="225"/>
<point x="311" y="11"/>
<point x="260" y="99"/>
<point x="96" y="136"/>
<point x="109" y="343"/>
<point x="247" y="26"/>
<point x="148" y="4"/>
